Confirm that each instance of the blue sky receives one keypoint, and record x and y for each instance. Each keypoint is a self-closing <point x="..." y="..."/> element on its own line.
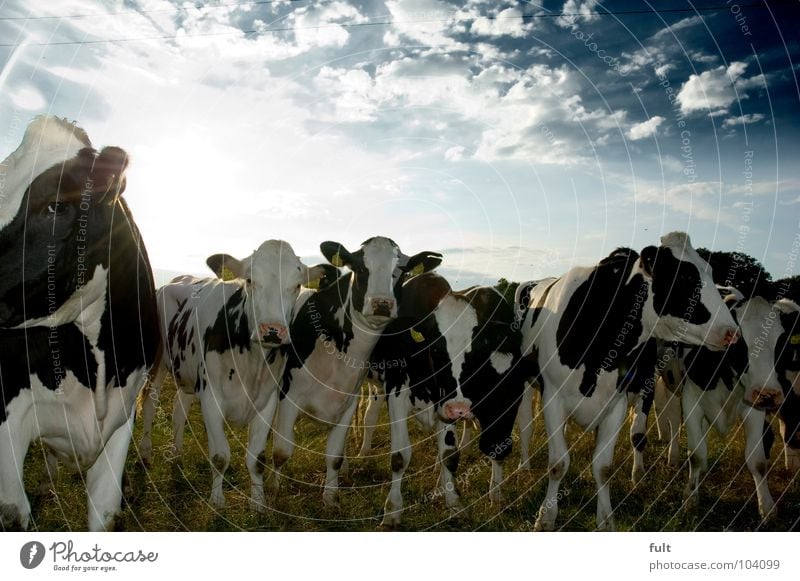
<point x="519" y="139"/>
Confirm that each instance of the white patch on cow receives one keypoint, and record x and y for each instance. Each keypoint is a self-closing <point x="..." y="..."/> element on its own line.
<point x="89" y="298"/>
<point x="48" y="141"/>
<point x="456" y="320"/>
<point x="381" y="258"/>
<point x="501" y="361"/>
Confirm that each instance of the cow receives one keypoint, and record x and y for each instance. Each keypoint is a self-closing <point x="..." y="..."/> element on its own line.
<point x="333" y="335"/>
<point x="78" y="326"/>
<point x="594" y="325"/>
<point x="449" y="356"/>
<point x="745" y="381"/>
<point x="222" y="343"/>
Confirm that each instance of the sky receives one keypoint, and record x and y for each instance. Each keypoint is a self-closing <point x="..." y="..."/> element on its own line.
<point x="517" y="138"/>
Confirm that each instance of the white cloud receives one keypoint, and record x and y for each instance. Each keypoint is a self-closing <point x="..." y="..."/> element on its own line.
<point x="716" y="88"/>
<point x="576" y="11"/>
<point x="508" y="22"/>
<point x="455" y="153"/>
<point x="678" y="26"/>
<point x="645" y="129"/>
<point x="745" y="119"/>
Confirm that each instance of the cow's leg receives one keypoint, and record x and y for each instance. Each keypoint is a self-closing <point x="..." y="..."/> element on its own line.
<point x="219" y="451"/>
<point x="150" y="395"/>
<point x="15" y="438"/>
<point x="180" y="412"/>
<point x="606" y="439"/>
<point x="374" y="399"/>
<point x="104" y="479"/>
<point x="791" y="455"/>
<point x="525" y="423"/>
<point x="448" y="461"/>
<point x="399" y="408"/>
<point x="696" y="441"/>
<point x="558" y="462"/>
<point x="756" y="458"/>
<point x="50" y="480"/>
<point x="283" y="439"/>
<point x="256" y="444"/>
<point x="672" y="417"/>
<point x="334" y="454"/>
<point x="638" y="435"/>
<point x="496" y="481"/>
<point x="661" y="400"/>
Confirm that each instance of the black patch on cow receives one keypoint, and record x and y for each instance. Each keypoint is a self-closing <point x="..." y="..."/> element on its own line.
<point x="639" y="442"/>
<point x="230" y="375"/>
<point x="602" y="321"/>
<point x="767" y="438"/>
<point x="261" y="463"/>
<point x="707" y="368"/>
<point x="677" y="285"/>
<point x="337" y="462"/>
<point x="397" y="462"/>
<point x="450" y="438"/>
<point x="450" y="460"/>
<point x="231" y="329"/>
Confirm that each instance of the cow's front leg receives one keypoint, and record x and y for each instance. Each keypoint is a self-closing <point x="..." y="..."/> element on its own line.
<point x="256" y="459"/>
<point x="180" y="412"/>
<point x="696" y="442"/>
<point x="334" y="454"/>
<point x="219" y="451"/>
<point x="448" y="460"/>
<point x="558" y="462"/>
<point x="150" y="396"/>
<point x="15" y="438"/>
<point x="104" y="479"/>
<point x="283" y="439"/>
<point x="496" y="481"/>
<point x="50" y="480"/>
<point x="668" y="417"/>
<point x="756" y="458"/>
<point x="399" y="408"/>
<point x="606" y="440"/>
<point x="791" y="446"/>
<point x="525" y="423"/>
<point x="638" y="435"/>
<point x="371" y="415"/>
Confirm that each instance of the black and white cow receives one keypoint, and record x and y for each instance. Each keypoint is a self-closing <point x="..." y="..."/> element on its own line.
<point x="747" y="381"/>
<point x="78" y="327"/>
<point x="590" y="327"/>
<point x="450" y="356"/>
<point x="222" y="342"/>
<point x="333" y="335"/>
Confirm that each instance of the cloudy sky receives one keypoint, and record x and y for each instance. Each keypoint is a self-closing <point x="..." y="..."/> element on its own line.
<point x="517" y="138"/>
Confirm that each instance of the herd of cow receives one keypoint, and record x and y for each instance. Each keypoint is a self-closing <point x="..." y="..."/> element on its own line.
<point x="84" y="334"/>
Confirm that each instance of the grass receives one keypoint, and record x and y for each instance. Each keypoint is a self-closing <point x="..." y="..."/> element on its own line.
<point x="172" y="496"/>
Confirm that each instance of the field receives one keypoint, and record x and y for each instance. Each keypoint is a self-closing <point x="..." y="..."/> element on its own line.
<point x="173" y="496"/>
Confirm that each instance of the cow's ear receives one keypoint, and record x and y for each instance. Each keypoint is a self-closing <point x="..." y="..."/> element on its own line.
<point x="226" y="266"/>
<point x="336" y="254"/>
<point x="648" y="257"/>
<point x="787" y="306"/>
<point x="321" y="275"/>
<point x="108" y="174"/>
<point x="422" y="262"/>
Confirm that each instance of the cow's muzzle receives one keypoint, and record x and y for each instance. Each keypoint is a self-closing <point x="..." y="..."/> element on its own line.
<point x="272" y="334"/>
<point x="382" y="306"/>
<point x="765" y="399"/>
<point x="457" y="410"/>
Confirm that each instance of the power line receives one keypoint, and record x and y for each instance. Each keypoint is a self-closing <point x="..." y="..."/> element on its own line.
<point x="377" y="23"/>
<point x="154" y="11"/>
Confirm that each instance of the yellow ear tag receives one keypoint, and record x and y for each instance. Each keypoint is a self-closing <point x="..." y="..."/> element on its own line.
<point x="227" y="273"/>
<point x="416" y="335"/>
<point x="313" y="284"/>
<point x="795" y="340"/>
<point x="336" y="260"/>
<point x="418" y="269"/>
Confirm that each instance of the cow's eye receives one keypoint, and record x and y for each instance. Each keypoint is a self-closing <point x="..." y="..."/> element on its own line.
<point x="56" y="208"/>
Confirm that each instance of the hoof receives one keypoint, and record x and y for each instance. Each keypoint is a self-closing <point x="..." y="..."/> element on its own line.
<point x="331" y="500"/>
<point x="391" y="521"/>
<point x="496" y="496"/>
<point x="217" y="500"/>
<point x="541" y="525"/>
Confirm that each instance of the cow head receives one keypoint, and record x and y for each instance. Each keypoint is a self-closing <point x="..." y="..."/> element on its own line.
<point x="58" y="200"/>
<point x="378" y="269"/>
<point x="272" y="277"/>
<point x="686" y="302"/>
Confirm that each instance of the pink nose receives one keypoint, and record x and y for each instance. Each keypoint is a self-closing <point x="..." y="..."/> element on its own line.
<point x="272" y="333"/>
<point x="731" y="336"/>
<point x="456" y="410"/>
<point x="382" y="306"/>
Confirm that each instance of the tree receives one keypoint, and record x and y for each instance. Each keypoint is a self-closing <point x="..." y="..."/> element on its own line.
<point x="739" y="270"/>
<point x="507" y="289"/>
